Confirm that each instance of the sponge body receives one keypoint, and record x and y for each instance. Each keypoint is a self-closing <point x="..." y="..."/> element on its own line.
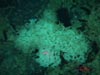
<point x="51" y="39"/>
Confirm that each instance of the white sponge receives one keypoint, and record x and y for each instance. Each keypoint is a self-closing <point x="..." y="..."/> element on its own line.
<point x="51" y="39"/>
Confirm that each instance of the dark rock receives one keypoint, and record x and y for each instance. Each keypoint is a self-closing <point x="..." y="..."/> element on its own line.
<point x="64" y="16"/>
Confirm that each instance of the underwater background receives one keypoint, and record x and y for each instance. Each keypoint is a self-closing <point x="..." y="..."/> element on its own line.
<point x="16" y="15"/>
